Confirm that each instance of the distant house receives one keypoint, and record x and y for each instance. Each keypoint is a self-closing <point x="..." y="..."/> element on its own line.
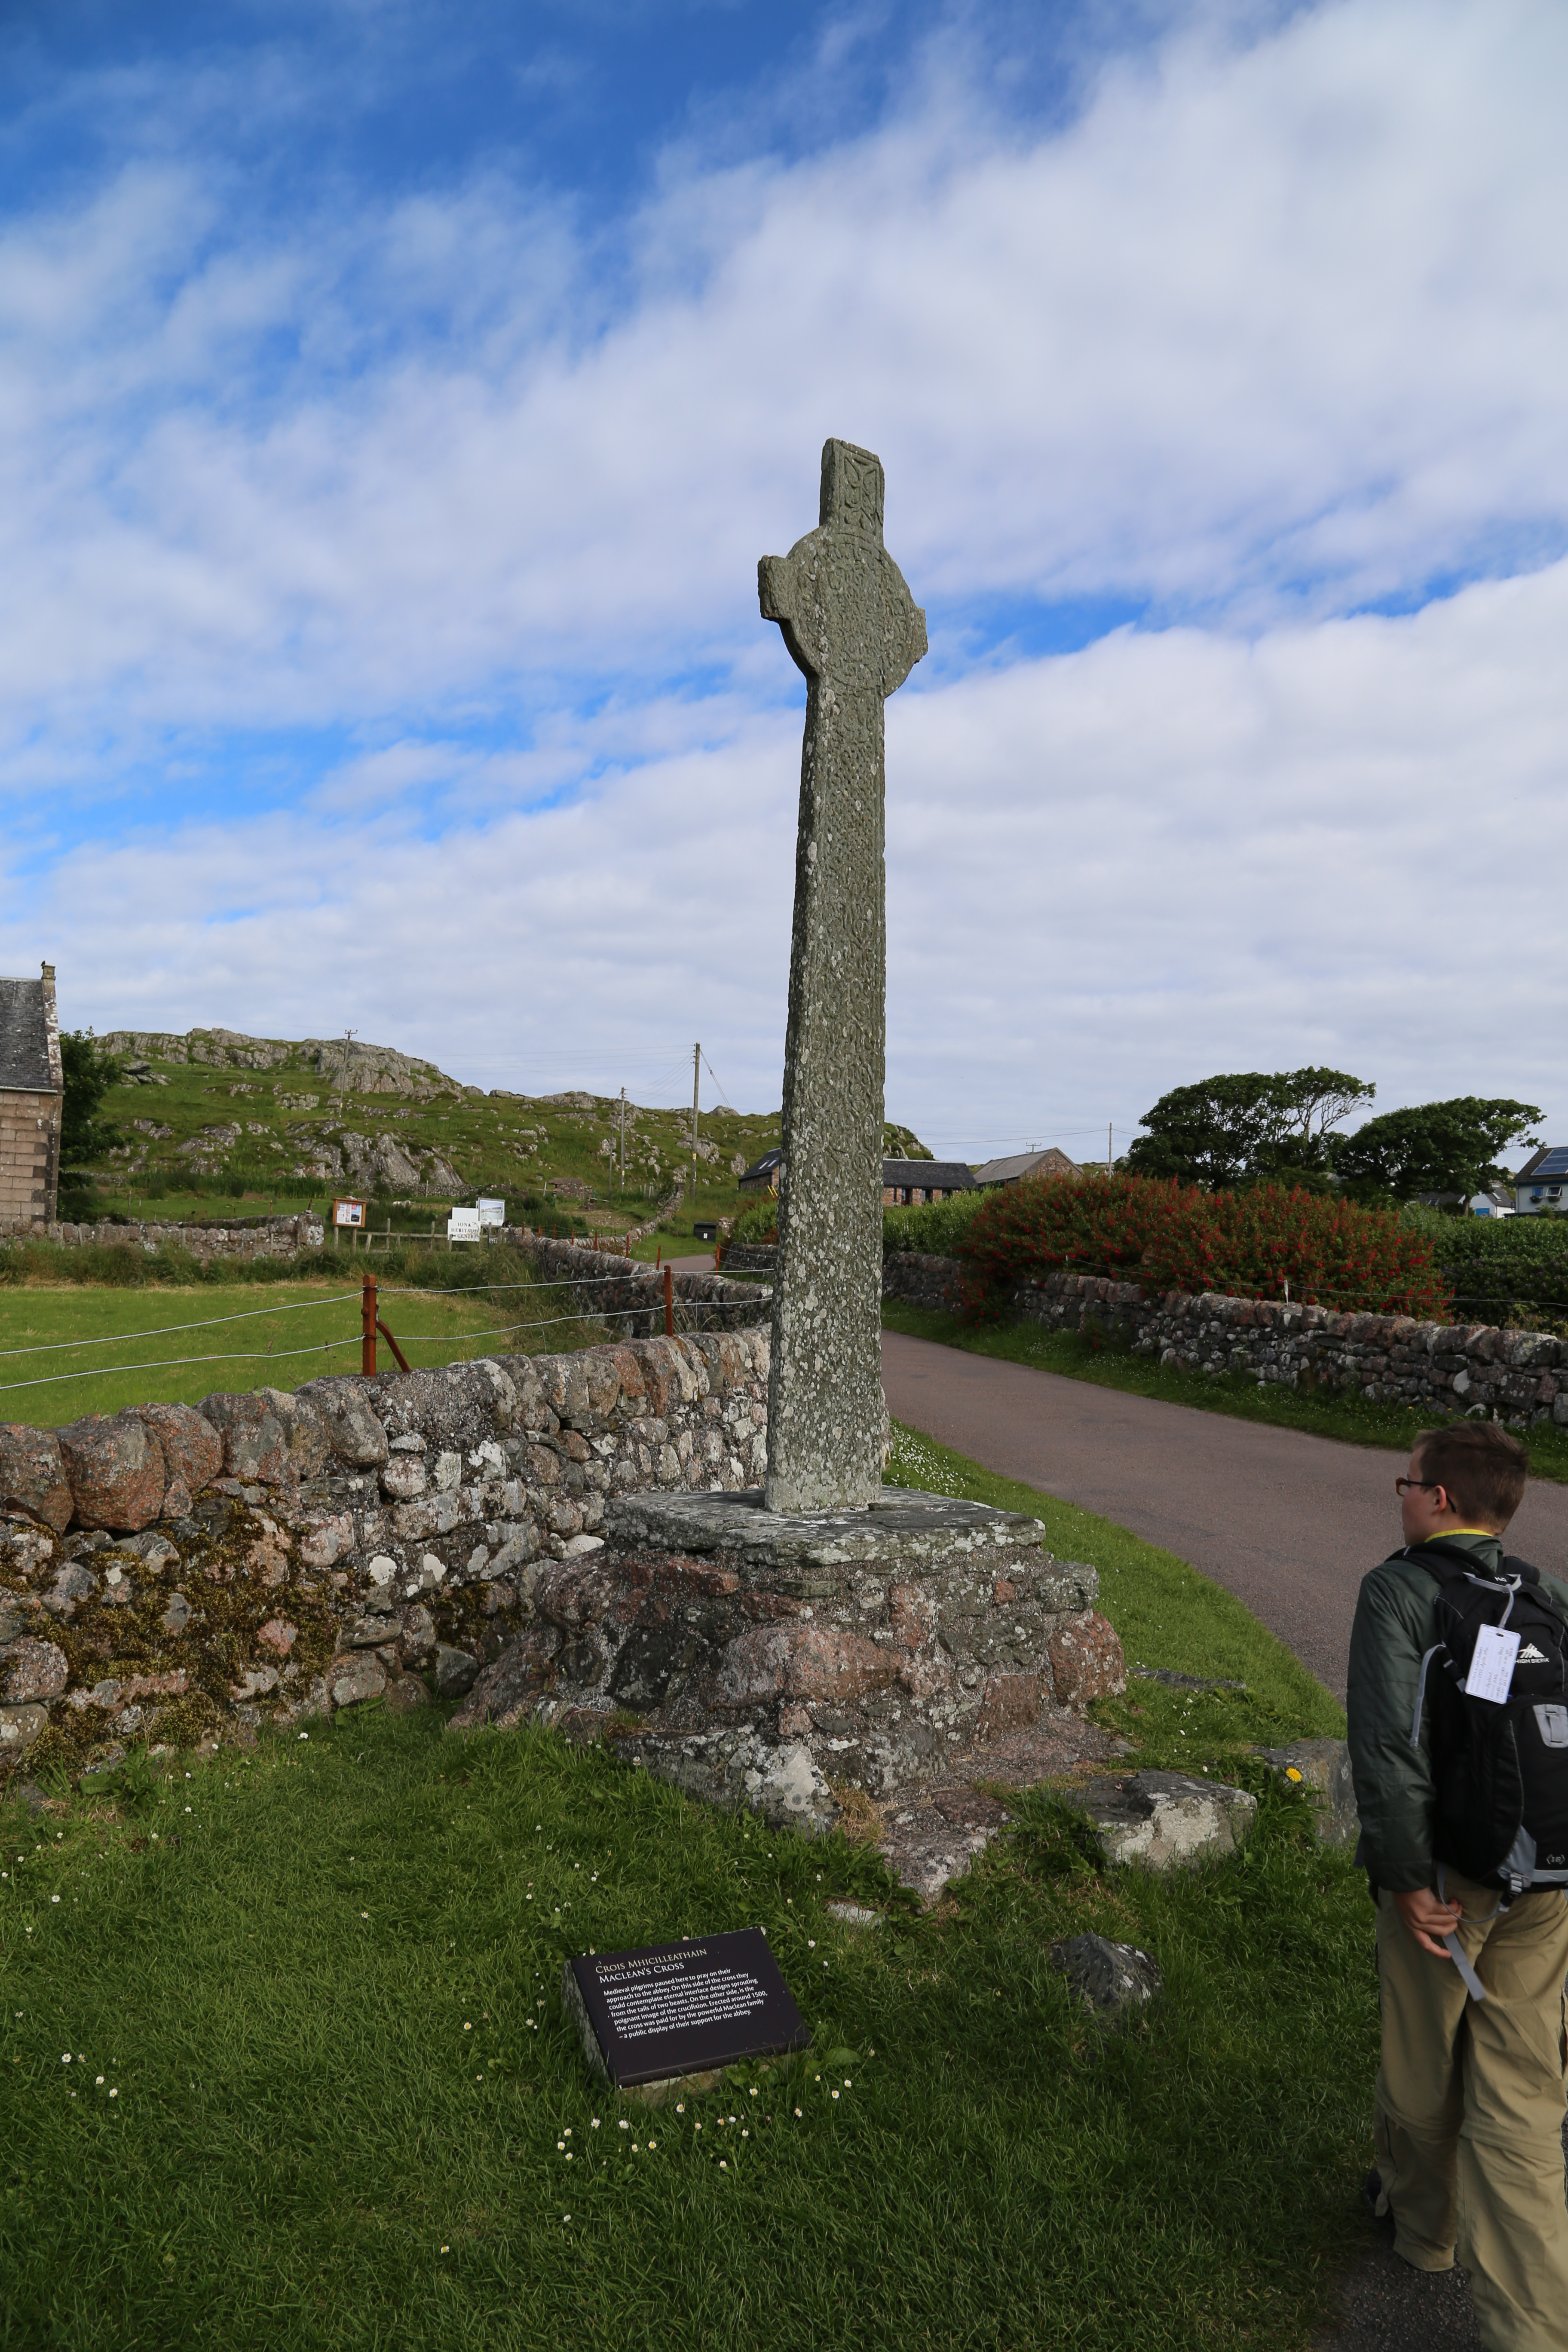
<point x="1541" y="1187"/>
<point x="1025" y="1163"/>
<point x="906" y="1182"/>
<point x="1497" y="1201"/>
<point x="32" y="1095"/>
<point x="763" y="1174"/>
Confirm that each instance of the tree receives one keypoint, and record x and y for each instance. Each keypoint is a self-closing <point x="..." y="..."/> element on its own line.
<point x="86" y="1139"/>
<point x="1441" y="1147"/>
<point x="1251" y="1124"/>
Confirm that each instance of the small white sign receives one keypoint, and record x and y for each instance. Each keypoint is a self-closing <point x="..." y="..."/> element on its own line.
<point x="463" y="1226"/>
<point x="1492" y="1668"/>
<point x="492" y="1212"/>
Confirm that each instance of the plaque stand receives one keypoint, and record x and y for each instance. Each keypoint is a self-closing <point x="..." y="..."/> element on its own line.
<point x="673" y="2017"/>
<point x="653" y="2095"/>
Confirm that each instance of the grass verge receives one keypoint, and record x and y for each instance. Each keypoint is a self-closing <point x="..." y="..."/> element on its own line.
<point x="1110" y="1363"/>
<point x="321" y="1981"/>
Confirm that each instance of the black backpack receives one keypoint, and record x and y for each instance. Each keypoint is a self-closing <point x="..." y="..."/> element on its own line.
<point x="1501" y="1769"/>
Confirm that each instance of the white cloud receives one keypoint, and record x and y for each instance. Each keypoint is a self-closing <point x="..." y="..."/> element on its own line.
<point x="1277" y="316"/>
<point x="1109" y="873"/>
<point x="1275" y="326"/>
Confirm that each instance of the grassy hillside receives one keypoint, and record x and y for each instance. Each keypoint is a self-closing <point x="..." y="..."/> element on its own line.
<point x="259" y="1124"/>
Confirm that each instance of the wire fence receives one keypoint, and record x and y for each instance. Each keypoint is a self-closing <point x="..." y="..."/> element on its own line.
<point x="168" y="1331"/>
<point x="677" y="1314"/>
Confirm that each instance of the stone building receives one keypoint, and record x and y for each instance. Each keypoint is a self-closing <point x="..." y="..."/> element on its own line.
<point x="32" y="1095"/>
<point x="1026" y="1166"/>
<point x="765" y="1175"/>
<point x="909" y="1182"/>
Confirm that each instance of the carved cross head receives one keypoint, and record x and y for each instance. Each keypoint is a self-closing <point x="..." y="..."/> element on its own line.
<point x="853" y="487"/>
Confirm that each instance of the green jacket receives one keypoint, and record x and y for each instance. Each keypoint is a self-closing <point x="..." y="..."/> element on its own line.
<point x="1396" y="1626"/>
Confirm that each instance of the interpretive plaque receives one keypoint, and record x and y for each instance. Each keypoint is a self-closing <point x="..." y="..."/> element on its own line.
<point x="683" y="2009"/>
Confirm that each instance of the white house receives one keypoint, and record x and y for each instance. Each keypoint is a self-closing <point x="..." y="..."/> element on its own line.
<point x="1541" y="1186"/>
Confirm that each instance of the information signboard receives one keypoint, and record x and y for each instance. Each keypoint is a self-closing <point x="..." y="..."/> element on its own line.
<point x="463" y="1226"/>
<point x="348" y="1213"/>
<point x="492" y="1212"/>
<point x="682" y="2009"/>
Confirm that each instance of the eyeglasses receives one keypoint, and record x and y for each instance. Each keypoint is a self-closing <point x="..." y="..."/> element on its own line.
<point x="1400" y="1484"/>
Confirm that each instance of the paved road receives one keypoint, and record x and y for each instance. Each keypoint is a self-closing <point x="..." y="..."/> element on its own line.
<point x="1289" y="1523"/>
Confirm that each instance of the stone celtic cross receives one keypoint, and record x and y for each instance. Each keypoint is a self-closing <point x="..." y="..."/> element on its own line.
<point x="853" y="627"/>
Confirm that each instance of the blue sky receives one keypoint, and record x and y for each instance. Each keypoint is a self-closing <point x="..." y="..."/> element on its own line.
<point x="396" y="399"/>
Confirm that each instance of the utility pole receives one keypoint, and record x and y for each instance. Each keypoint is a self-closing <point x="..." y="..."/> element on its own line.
<point x="1110" y="1146"/>
<point x="623" y="1138"/>
<point x="696" y="1082"/>
<point x="344" y="1073"/>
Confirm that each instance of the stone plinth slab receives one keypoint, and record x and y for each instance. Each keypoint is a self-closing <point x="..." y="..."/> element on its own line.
<point x="763" y="1659"/>
<point x="902" y="1525"/>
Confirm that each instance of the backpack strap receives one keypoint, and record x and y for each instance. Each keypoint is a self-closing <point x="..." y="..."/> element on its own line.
<point x="1449" y="1562"/>
<point x="1439" y="1548"/>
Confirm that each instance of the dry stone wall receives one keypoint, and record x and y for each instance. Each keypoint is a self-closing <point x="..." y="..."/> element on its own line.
<point x="921" y="1281"/>
<point x="167" y="1571"/>
<point x="1458" y="1368"/>
<point x="249" y="1237"/>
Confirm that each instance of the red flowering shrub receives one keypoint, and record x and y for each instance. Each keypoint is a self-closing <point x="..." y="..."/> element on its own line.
<point x="1166" y="1235"/>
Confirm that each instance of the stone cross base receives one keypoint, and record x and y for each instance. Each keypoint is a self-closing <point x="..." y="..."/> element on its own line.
<point x="763" y="1659"/>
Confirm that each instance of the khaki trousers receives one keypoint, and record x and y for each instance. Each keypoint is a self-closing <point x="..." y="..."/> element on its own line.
<point x="1469" y="2105"/>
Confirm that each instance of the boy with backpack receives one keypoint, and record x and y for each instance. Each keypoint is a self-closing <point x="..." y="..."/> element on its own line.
<point x="1459" y="1738"/>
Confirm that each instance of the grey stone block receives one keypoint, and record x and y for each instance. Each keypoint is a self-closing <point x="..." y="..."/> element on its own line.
<point x="354" y="1680"/>
<point x="1164" y="1820"/>
<point x="456" y="1671"/>
<point x="1109" y="1978"/>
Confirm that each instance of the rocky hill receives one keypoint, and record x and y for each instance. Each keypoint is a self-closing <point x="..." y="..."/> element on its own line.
<point x="338" y="1061"/>
<point x="270" y="1121"/>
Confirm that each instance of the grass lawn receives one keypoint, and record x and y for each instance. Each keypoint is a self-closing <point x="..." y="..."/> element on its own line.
<point x="321" y="1981"/>
<point x="1115" y="1366"/>
<point x="244" y="1336"/>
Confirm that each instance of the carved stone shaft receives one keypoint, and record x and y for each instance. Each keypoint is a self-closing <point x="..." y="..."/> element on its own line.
<point x="851" y="626"/>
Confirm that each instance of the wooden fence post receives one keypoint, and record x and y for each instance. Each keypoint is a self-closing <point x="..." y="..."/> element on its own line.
<point x="367" y="1325"/>
<point x="669" y="1302"/>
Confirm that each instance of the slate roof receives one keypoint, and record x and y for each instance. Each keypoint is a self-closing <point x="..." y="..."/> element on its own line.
<point x="928" y="1175"/>
<point x="1549" y="1165"/>
<point x="1050" y="1162"/>
<point x="28" y="1065"/>
<point x="761" y="1170"/>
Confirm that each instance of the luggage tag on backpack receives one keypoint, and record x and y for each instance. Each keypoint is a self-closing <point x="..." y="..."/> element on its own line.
<point x="1491" y="1666"/>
